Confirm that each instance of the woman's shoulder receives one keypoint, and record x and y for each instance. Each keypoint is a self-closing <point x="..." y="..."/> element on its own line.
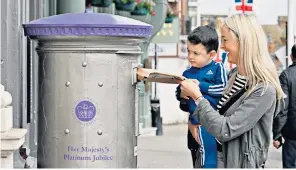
<point x="264" y="88"/>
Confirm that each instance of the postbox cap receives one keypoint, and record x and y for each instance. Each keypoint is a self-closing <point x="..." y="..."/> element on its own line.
<point x="87" y="24"/>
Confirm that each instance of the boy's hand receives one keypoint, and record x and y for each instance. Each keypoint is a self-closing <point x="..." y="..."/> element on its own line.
<point x="180" y="95"/>
<point x="276" y="144"/>
<point x="194" y="130"/>
<point x="183" y="95"/>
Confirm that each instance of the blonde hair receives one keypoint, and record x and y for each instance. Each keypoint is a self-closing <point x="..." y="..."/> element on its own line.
<point x="253" y="53"/>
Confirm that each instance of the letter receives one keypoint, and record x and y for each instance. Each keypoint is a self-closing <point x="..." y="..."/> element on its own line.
<point x="93" y="149"/>
<point x="107" y="149"/>
<point x="83" y="149"/>
<point x="66" y="157"/>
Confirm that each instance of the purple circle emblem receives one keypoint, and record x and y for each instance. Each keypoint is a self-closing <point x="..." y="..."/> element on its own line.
<point x="85" y="111"/>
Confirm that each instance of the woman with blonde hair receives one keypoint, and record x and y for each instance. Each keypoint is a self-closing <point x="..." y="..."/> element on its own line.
<point x="243" y="120"/>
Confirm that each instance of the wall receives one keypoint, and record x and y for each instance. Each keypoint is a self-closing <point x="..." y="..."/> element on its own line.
<point x="266" y="10"/>
<point x="169" y="106"/>
<point x="14" y="67"/>
<point x="13" y="54"/>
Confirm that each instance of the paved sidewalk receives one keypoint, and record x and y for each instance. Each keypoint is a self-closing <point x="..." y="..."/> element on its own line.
<point x="170" y="150"/>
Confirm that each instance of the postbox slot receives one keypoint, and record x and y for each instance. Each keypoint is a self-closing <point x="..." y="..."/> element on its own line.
<point x="135" y="67"/>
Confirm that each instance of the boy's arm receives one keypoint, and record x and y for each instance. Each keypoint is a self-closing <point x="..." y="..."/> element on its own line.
<point x="217" y="88"/>
<point x="193" y="120"/>
<point x="183" y="102"/>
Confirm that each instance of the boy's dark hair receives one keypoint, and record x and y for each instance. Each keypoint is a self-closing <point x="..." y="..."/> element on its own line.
<point x="205" y="35"/>
<point x="293" y="52"/>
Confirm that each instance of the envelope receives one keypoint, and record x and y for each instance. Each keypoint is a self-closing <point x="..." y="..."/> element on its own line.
<point x="152" y="75"/>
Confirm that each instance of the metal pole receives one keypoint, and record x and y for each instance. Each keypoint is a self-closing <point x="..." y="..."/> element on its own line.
<point x="155" y="66"/>
<point x="291" y="23"/>
<point x="198" y="16"/>
<point x="287" y="48"/>
<point x="1" y="59"/>
<point x="52" y="7"/>
<point x="46" y="9"/>
<point x="29" y="78"/>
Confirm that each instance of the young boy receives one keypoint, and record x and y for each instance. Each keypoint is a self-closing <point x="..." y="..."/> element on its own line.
<point x="202" y="47"/>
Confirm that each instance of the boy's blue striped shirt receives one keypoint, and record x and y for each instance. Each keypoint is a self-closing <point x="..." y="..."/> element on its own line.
<point x="213" y="80"/>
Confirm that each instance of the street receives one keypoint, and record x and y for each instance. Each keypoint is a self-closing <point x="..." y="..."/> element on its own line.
<point x="170" y="150"/>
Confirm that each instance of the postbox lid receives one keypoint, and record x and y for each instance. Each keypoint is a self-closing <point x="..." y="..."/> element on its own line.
<point x="87" y="24"/>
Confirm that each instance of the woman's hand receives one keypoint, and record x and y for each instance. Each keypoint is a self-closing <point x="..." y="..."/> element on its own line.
<point x="190" y="88"/>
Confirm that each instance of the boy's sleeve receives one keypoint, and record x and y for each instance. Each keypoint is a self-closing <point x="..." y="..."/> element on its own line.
<point x="193" y="120"/>
<point x="217" y="88"/>
<point x="183" y="102"/>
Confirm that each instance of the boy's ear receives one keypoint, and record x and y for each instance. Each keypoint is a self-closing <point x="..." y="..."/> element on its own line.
<point x="213" y="54"/>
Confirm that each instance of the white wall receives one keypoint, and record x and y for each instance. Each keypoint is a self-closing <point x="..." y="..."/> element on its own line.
<point x="215" y="7"/>
<point x="169" y="106"/>
<point x="267" y="11"/>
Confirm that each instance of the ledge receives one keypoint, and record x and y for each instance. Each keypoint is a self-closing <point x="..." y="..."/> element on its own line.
<point x="149" y="131"/>
<point x="11" y="141"/>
